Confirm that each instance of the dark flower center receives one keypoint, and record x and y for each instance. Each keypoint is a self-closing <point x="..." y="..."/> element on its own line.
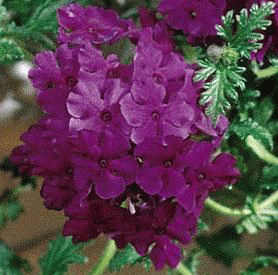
<point x="168" y="163"/>
<point x="50" y="85"/>
<point x="157" y="78"/>
<point x="69" y="172"/>
<point x="106" y="116"/>
<point x="103" y="163"/>
<point x="71" y="81"/>
<point x="93" y="30"/>
<point x="113" y="73"/>
<point x="98" y="221"/>
<point x="160" y="231"/>
<point x="155" y="115"/>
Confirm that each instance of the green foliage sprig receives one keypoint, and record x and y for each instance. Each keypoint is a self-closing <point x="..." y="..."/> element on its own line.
<point x="60" y="254"/>
<point x="223" y="76"/>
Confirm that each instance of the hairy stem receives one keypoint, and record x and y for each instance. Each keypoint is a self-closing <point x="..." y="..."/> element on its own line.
<point x="183" y="270"/>
<point x="261" y="151"/>
<point x="269" y="201"/>
<point x="105" y="259"/>
<point x="226" y="210"/>
<point x="267" y="72"/>
<point x="241" y="212"/>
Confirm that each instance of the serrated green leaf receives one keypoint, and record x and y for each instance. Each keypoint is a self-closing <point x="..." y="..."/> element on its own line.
<point x="128" y="256"/>
<point x="258" y="219"/>
<point x="60" y="254"/>
<point x="9" y="51"/>
<point x="270" y="178"/>
<point x="245" y="38"/>
<point x="10" y="207"/>
<point x="8" y="166"/>
<point x="250" y="127"/>
<point x="202" y="226"/>
<point x="264" y="111"/>
<point x="10" y="263"/>
<point x="259" y="263"/>
<point x="192" y="260"/>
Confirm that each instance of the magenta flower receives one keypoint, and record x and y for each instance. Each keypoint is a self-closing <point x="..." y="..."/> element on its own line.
<point x="203" y="174"/>
<point x="158" y="226"/>
<point x="93" y="105"/>
<point x="162" y="168"/>
<point x="54" y="77"/>
<point x="88" y="218"/>
<point x="102" y="160"/>
<point x="47" y="153"/>
<point x="81" y="24"/>
<point x="57" y="191"/>
<point x="195" y="18"/>
<point x="155" y="119"/>
<point x="155" y="71"/>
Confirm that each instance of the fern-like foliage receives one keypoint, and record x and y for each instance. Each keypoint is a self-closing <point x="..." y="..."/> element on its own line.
<point x="259" y="219"/>
<point x="223" y="76"/>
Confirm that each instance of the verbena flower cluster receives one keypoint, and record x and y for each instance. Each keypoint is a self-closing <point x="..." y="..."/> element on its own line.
<point x="125" y="149"/>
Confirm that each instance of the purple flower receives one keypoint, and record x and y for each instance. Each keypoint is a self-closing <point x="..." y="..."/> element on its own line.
<point x="47" y="153"/>
<point x="155" y="72"/>
<point x="93" y="105"/>
<point x="203" y="174"/>
<point x="57" y="191"/>
<point x="79" y="25"/>
<point x="102" y="160"/>
<point x="54" y="77"/>
<point x="156" y="119"/>
<point x="162" y="34"/>
<point x="159" y="226"/>
<point x="162" y="168"/>
<point x="195" y="18"/>
<point x="47" y="150"/>
<point x="88" y="218"/>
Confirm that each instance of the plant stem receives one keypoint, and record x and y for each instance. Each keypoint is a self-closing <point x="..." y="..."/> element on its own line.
<point x="226" y="210"/>
<point x="183" y="270"/>
<point x="241" y="212"/>
<point x="105" y="259"/>
<point x="268" y="72"/>
<point x="269" y="201"/>
<point x="260" y="150"/>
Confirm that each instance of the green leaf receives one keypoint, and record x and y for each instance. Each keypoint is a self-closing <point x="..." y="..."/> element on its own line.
<point x="192" y="260"/>
<point x="10" y="263"/>
<point x="264" y="110"/>
<point x="8" y="166"/>
<point x="246" y="36"/>
<point x="128" y="256"/>
<point x="258" y="219"/>
<point x="259" y="263"/>
<point x="60" y="254"/>
<point x="270" y="178"/>
<point x="202" y="226"/>
<point x="223" y="245"/>
<point x="224" y="75"/>
<point x="250" y="127"/>
<point x="221" y="88"/>
<point x="10" y="207"/>
<point x="10" y="51"/>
